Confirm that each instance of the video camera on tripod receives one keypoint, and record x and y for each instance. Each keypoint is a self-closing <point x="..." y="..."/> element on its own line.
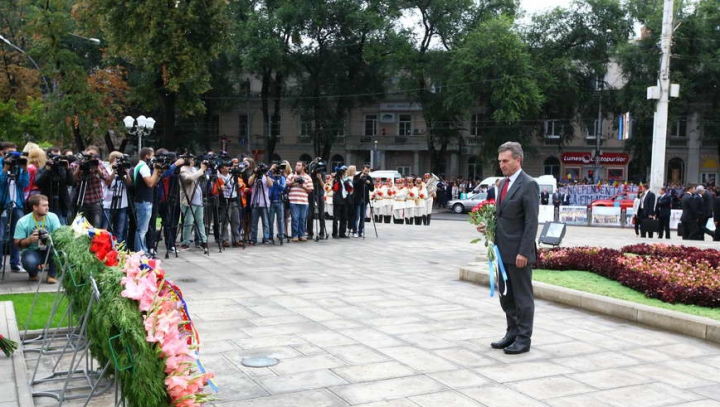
<point x="317" y="165"/>
<point x="122" y="164"/>
<point x="239" y="168"/>
<point x="165" y="160"/>
<point x="56" y="161"/>
<point x="15" y="158"/>
<point x="260" y="170"/>
<point x="87" y="162"/>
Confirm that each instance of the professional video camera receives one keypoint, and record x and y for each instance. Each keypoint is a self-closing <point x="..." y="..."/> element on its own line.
<point x="239" y="169"/>
<point x="317" y="165"/>
<point x="261" y="169"/>
<point x="164" y="161"/>
<point x="122" y="163"/>
<point x="279" y="169"/>
<point x="15" y="158"/>
<point x="87" y="162"/>
<point x="56" y="161"/>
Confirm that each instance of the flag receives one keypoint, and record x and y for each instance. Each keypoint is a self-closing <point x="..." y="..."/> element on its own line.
<point x="599" y="184"/>
<point x="569" y="175"/>
<point x="615" y="183"/>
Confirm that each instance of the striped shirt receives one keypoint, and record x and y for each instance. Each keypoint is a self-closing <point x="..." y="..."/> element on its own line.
<point x="298" y="195"/>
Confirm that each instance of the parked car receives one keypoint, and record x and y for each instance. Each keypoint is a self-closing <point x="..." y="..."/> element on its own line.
<point x="625" y="199"/>
<point x="464" y="205"/>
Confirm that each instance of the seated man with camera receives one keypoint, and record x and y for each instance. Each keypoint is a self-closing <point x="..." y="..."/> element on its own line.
<point x="32" y="233"/>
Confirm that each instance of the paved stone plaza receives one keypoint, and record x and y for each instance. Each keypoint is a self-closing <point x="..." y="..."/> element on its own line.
<point x="385" y="323"/>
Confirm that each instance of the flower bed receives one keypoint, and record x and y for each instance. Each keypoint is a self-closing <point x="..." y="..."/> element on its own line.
<point x="673" y="274"/>
<point x="139" y="322"/>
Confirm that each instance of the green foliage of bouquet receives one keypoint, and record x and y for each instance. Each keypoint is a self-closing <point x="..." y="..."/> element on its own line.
<point x="485" y="214"/>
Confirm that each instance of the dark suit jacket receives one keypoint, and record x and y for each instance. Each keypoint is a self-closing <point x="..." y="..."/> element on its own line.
<point x="689" y="212"/>
<point x="556" y="198"/>
<point x="544" y="197"/>
<point x="708" y="204"/>
<point x="490" y="193"/>
<point x="565" y="199"/>
<point x="664" y="205"/>
<point x="716" y="209"/>
<point x="517" y="221"/>
<point x="648" y="205"/>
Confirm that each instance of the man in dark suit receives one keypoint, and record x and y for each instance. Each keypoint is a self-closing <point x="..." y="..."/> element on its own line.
<point x="689" y="214"/>
<point x="716" y="213"/>
<point x="544" y="197"/>
<point x="565" y="197"/>
<point x="707" y="209"/>
<point x="662" y="212"/>
<point x="647" y="211"/>
<point x="517" y="223"/>
<point x="492" y="190"/>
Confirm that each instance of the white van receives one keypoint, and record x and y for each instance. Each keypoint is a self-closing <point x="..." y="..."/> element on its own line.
<point x="385" y="175"/>
<point x="544" y="182"/>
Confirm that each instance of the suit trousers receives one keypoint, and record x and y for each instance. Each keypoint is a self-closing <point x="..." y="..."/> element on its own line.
<point x="518" y="304"/>
<point x="664" y="227"/>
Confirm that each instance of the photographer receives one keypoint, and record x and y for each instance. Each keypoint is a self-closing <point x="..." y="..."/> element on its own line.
<point x="342" y="188"/>
<point x="31" y="234"/>
<point x="55" y="181"/>
<point x="89" y="176"/>
<point x="13" y="179"/>
<point x="115" y="201"/>
<point x="301" y="186"/>
<point x="191" y="202"/>
<point x="362" y="184"/>
<point x="277" y="206"/>
<point x="144" y="180"/>
<point x="231" y="185"/>
<point x="316" y="200"/>
<point x="259" y="202"/>
<point x="168" y="196"/>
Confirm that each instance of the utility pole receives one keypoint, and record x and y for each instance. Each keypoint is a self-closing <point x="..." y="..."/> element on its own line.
<point x="662" y="93"/>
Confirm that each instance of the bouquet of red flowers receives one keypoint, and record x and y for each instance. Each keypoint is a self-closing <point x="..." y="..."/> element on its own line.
<point x="422" y="196"/>
<point x="485" y="213"/>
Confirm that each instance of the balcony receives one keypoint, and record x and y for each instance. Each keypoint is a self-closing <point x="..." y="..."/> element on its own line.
<point x="677" y="142"/>
<point x="401" y="139"/>
<point x="304" y="139"/>
<point x="397" y="143"/>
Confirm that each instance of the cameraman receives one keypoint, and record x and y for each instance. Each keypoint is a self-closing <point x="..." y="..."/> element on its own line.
<point x="145" y="180"/>
<point x="13" y="179"/>
<point x="115" y="201"/>
<point x="92" y="174"/>
<point x="31" y="234"/>
<point x="168" y="197"/>
<point x="277" y="206"/>
<point x="316" y="199"/>
<point x="230" y="184"/>
<point x="301" y="186"/>
<point x="362" y="184"/>
<point x="259" y="202"/>
<point x="54" y="181"/>
<point x="342" y="188"/>
<point x="191" y="202"/>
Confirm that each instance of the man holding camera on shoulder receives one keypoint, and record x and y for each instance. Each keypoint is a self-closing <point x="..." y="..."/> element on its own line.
<point x="191" y="202"/>
<point x="115" y="201"/>
<point x="145" y="180"/>
<point x="13" y="179"/>
<point x="260" y="185"/>
<point x="362" y="184"/>
<point x="300" y="186"/>
<point x="90" y="173"/>
<point x="54" y="181"/>
<point x="31" y="234"/>
<point x="277" y="206"/>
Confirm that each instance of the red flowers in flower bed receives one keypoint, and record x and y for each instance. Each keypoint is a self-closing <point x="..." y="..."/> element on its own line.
<point x="672" y="274"/>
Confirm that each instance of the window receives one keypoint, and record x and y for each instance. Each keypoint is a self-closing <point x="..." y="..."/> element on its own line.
<point x="552" y="167"/>
<point x="677" y="128"/>
<point x="591" y="129"/>
<point x="553" y="129"/>
<point x="475" y="125"/>
<point x="404" y="171"/>
<point x="474" y="169"/>
<point x="243" y="127"/>
<point x="371" y="125"/>
<point x="339" y="131"/>
<point x="275" y="127"/>
<point x="405" y="125"/>
<point x="305" y="128"/>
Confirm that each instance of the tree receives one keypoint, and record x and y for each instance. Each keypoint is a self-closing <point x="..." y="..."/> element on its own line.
<point x="492" y="69"/>
<point x="170" y="43"/>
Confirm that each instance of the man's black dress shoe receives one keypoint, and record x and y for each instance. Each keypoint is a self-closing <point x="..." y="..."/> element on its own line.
<point x="504" y="342"/>
<point x="517" y="348"/>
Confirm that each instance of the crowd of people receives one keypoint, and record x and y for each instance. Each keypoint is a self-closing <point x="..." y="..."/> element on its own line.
<point x="193" y="197"/>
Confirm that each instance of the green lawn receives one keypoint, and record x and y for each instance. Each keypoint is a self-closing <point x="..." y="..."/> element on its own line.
<point x="595" y="284"/>
<point x="23" y="302"/>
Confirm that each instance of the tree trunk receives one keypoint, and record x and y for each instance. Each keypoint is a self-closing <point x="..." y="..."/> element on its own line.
<point x="168" y="100"/>
<point x="277" y="94"/>
<point x="264" y="95"/>
<point x="77" y="135"/>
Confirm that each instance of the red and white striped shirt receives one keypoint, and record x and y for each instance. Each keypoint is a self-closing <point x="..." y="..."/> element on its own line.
<point x="299" y="195"/>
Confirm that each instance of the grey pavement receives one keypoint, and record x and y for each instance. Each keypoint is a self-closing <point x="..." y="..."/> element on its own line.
<point x="385" y="323"/>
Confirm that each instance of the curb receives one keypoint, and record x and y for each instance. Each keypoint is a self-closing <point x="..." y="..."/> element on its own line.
<point x="698" y="327"/>
<point x="19" y="370"/>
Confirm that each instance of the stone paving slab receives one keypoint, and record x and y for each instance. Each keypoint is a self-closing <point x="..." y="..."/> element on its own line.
<point x="386" y="323"/>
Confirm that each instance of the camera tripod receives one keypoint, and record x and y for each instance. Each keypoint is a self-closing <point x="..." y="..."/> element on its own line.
<point x="119" y="191"/>
<point x="211" y="210"/>
<point x="257" y="194"/>
<point x="372" y="212"/>
<point x="226" y="205"/>
<point x="169" y="214"/>
<point x="318" y="220"/>
<point x="11" y="210"/>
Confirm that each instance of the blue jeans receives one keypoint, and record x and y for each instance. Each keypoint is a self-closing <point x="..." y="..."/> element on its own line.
<point x="277" y="211"/>
<point x="17" y="213"/>
<point x="299" y="220"/>
<point x="33" y="259"/>
<point x="359" y="221"/>
<point x="259" y="212"/>
<point x="117" y="222"/>
<point x="143" y="213"/>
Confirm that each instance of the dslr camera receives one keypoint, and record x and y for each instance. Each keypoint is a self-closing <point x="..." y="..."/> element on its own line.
<point x="43" y="235"/>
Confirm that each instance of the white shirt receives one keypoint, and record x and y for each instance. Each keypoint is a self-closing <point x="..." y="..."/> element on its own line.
<point x="512" y="178"/>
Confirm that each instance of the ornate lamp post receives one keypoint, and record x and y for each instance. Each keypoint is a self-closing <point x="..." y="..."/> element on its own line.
<point x="143" y="128"/>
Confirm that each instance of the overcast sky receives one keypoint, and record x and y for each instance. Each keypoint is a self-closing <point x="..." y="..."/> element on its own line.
<point x="534" y="6"/>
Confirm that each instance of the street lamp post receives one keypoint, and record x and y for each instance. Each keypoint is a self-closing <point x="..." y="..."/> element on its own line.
<point x="143" y="128"/>
<point x="18" y="49"/>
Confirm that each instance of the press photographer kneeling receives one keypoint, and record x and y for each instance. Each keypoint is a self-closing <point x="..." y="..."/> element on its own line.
<point x="32" y="235"/>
